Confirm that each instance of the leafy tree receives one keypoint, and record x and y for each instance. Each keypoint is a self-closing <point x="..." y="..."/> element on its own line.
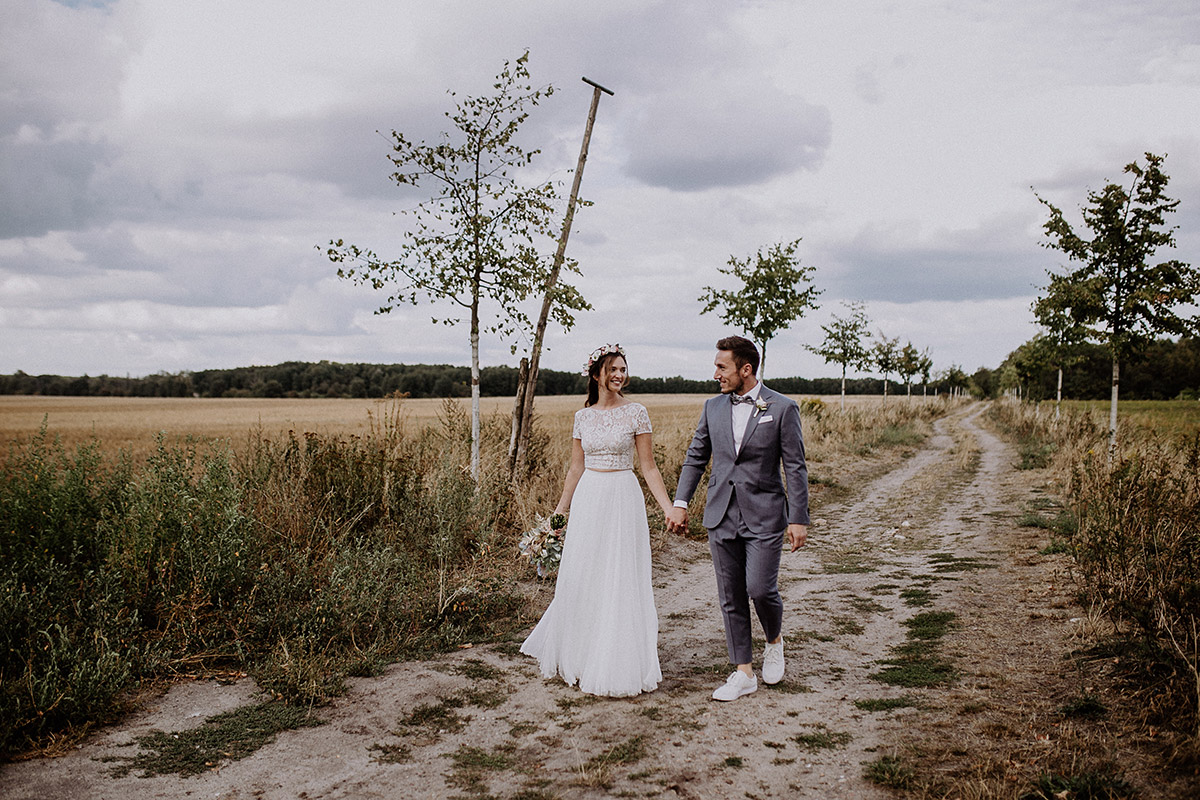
<point x="908" y="365"/>
<point x="845" y="342"/>
<point x="1114" y="294"/>
<point x="925" y="368"/>
<point x="955" y="379"/>
<point x="984" y="383"/>
<point x="476" y="239"/>
<point x="1029" y="362"/>
<point x="771" y="297"/>
<point x="885" y="355"/>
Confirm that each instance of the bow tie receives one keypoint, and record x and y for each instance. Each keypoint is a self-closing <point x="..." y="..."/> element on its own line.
<point x="736" y="398"/>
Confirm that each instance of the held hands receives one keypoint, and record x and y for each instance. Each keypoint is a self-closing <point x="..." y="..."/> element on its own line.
<point x="797" y="535"/>
<point x="677" y="521"/>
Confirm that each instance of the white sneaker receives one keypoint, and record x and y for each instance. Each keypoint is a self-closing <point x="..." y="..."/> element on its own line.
<point x="773" y="662"/>
<point x="738" y="684"/>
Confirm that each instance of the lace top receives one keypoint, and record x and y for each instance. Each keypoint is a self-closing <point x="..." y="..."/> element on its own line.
<point x="607" y="434"/>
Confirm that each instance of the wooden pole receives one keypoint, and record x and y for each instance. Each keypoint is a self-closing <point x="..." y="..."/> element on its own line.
<point x="523" y="415"/>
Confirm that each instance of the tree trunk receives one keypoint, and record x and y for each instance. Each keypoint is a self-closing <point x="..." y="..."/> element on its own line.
<point x="843" y="387"/>
<point x="1112" y="410"/>
<point x="762" y="363"/>
<point x="1058" y="399"/>
<point x="475" y="391"/>
<point x="517" y="414"/>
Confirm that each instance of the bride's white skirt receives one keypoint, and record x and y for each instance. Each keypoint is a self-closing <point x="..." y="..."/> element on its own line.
<point x="601" y="629"/>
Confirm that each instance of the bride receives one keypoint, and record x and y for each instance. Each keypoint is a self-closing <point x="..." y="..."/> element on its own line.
<point x="601" y="629"/>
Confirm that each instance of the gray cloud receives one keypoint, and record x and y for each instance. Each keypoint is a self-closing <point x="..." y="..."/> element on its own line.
<point x="693" y="143"/>
<point x="991" y="263"/>
<point x="48" y="185"/>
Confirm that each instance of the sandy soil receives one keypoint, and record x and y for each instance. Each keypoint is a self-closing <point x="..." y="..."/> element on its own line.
<point x="940" y="521"/>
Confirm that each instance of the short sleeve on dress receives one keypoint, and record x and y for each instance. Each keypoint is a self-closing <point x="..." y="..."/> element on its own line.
<point x="575" y="432"/>
<point x="641" y="420"/>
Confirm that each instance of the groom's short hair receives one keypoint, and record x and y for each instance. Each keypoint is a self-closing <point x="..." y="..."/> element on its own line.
<point x="743" y="350"/>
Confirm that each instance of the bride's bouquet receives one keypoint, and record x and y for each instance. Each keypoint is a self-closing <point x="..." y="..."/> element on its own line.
<point x="542" y="546"/>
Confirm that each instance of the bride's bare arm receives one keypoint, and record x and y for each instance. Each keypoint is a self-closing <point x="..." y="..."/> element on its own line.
<point x="654" y="481"/>
<point x="574" y="473"/>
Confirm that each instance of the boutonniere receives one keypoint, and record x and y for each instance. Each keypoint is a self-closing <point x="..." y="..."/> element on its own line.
<point x="760" y="406"/>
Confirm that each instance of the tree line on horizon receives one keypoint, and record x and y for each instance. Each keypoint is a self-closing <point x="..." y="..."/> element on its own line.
<point x="1163" y="370"/>
<point x="326" y="379"/>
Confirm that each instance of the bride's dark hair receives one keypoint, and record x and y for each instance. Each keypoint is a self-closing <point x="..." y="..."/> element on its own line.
<point x="594" y="373"/>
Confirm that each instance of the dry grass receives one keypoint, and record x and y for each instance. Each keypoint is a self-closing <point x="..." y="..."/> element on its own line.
<point x="133" y="424"/>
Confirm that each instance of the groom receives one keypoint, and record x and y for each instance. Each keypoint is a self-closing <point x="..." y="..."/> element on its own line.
<point x="747" y="431"/>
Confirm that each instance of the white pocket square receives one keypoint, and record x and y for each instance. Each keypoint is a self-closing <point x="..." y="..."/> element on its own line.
<point x="767" y="418"/>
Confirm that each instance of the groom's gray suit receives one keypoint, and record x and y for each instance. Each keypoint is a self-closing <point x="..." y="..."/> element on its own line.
<point x="749" y="507"/>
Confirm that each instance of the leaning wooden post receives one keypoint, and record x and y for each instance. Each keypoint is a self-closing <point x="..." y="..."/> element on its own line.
<point x="523" y="407"/>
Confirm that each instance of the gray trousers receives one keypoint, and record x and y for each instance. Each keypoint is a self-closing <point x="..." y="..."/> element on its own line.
<point x="747" y="567"/>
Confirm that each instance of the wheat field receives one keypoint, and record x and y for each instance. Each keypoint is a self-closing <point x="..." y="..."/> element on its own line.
<point x="133" y="424"/>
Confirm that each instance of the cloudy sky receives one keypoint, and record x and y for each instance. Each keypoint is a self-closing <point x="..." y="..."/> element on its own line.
<point x="169" y="170"/>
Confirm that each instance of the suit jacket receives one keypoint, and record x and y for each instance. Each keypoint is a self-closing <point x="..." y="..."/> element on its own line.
<point x="772" y="439"/>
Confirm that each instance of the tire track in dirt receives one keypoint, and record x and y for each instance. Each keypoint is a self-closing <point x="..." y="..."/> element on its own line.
<point x="483" y="723"/>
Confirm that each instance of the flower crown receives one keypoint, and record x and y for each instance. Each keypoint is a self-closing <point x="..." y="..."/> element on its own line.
<point x="601" y="352"/>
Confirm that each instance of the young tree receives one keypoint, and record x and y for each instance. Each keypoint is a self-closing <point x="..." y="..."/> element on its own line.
<point x="1114" y="294"/>
<point x="926" y="367"/>
<point x="477" y="238"/>
<point x="908" y="365"/>
<point x="885" y="355"/>
<point x="771" y="297"/>
<point x="845" y="342"/>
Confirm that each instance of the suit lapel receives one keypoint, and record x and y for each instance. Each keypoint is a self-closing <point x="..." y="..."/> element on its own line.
<point x="724" y="423"/>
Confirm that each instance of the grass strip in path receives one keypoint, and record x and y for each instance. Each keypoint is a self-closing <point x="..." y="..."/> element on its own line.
<point x="230" y="736"/>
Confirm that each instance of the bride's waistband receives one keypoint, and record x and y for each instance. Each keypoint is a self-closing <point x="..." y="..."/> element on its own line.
<point x="597" y="469"/>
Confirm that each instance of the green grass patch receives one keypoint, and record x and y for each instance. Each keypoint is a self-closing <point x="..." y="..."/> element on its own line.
<point x="822" y="739"/>
<point x="899" y="436"/>
<point x="848" y="562"/>
<point x="916" y="663"/>
<point x="391" y="753"/>
<point x="875" y="704"/>
<point x="890" y="771"/>
<point x="1056" y="547"/>
<point x="230" y="736"/>
<point x="930" y="625"/>
<point x="867" y="605"/>
<point x="476" y="758"/>
<point x="630" y="751"/>
<point x="477" y="670"/>
<point x="439" y="717"/>
<point x="847" y="626"/>
<point x="734" y="762"/>
<point x="917" y="597"/>
<point x="946" y="562"/>
<point x="1085" y="786"/>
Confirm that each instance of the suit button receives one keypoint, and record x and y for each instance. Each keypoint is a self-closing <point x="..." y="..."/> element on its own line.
<point x="731" y="483"/>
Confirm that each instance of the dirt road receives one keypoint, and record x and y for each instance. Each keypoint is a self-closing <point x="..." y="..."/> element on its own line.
<point x="482" y="723"/>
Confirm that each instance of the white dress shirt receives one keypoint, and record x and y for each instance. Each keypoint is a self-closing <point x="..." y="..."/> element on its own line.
<point x="741" y="416"/>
